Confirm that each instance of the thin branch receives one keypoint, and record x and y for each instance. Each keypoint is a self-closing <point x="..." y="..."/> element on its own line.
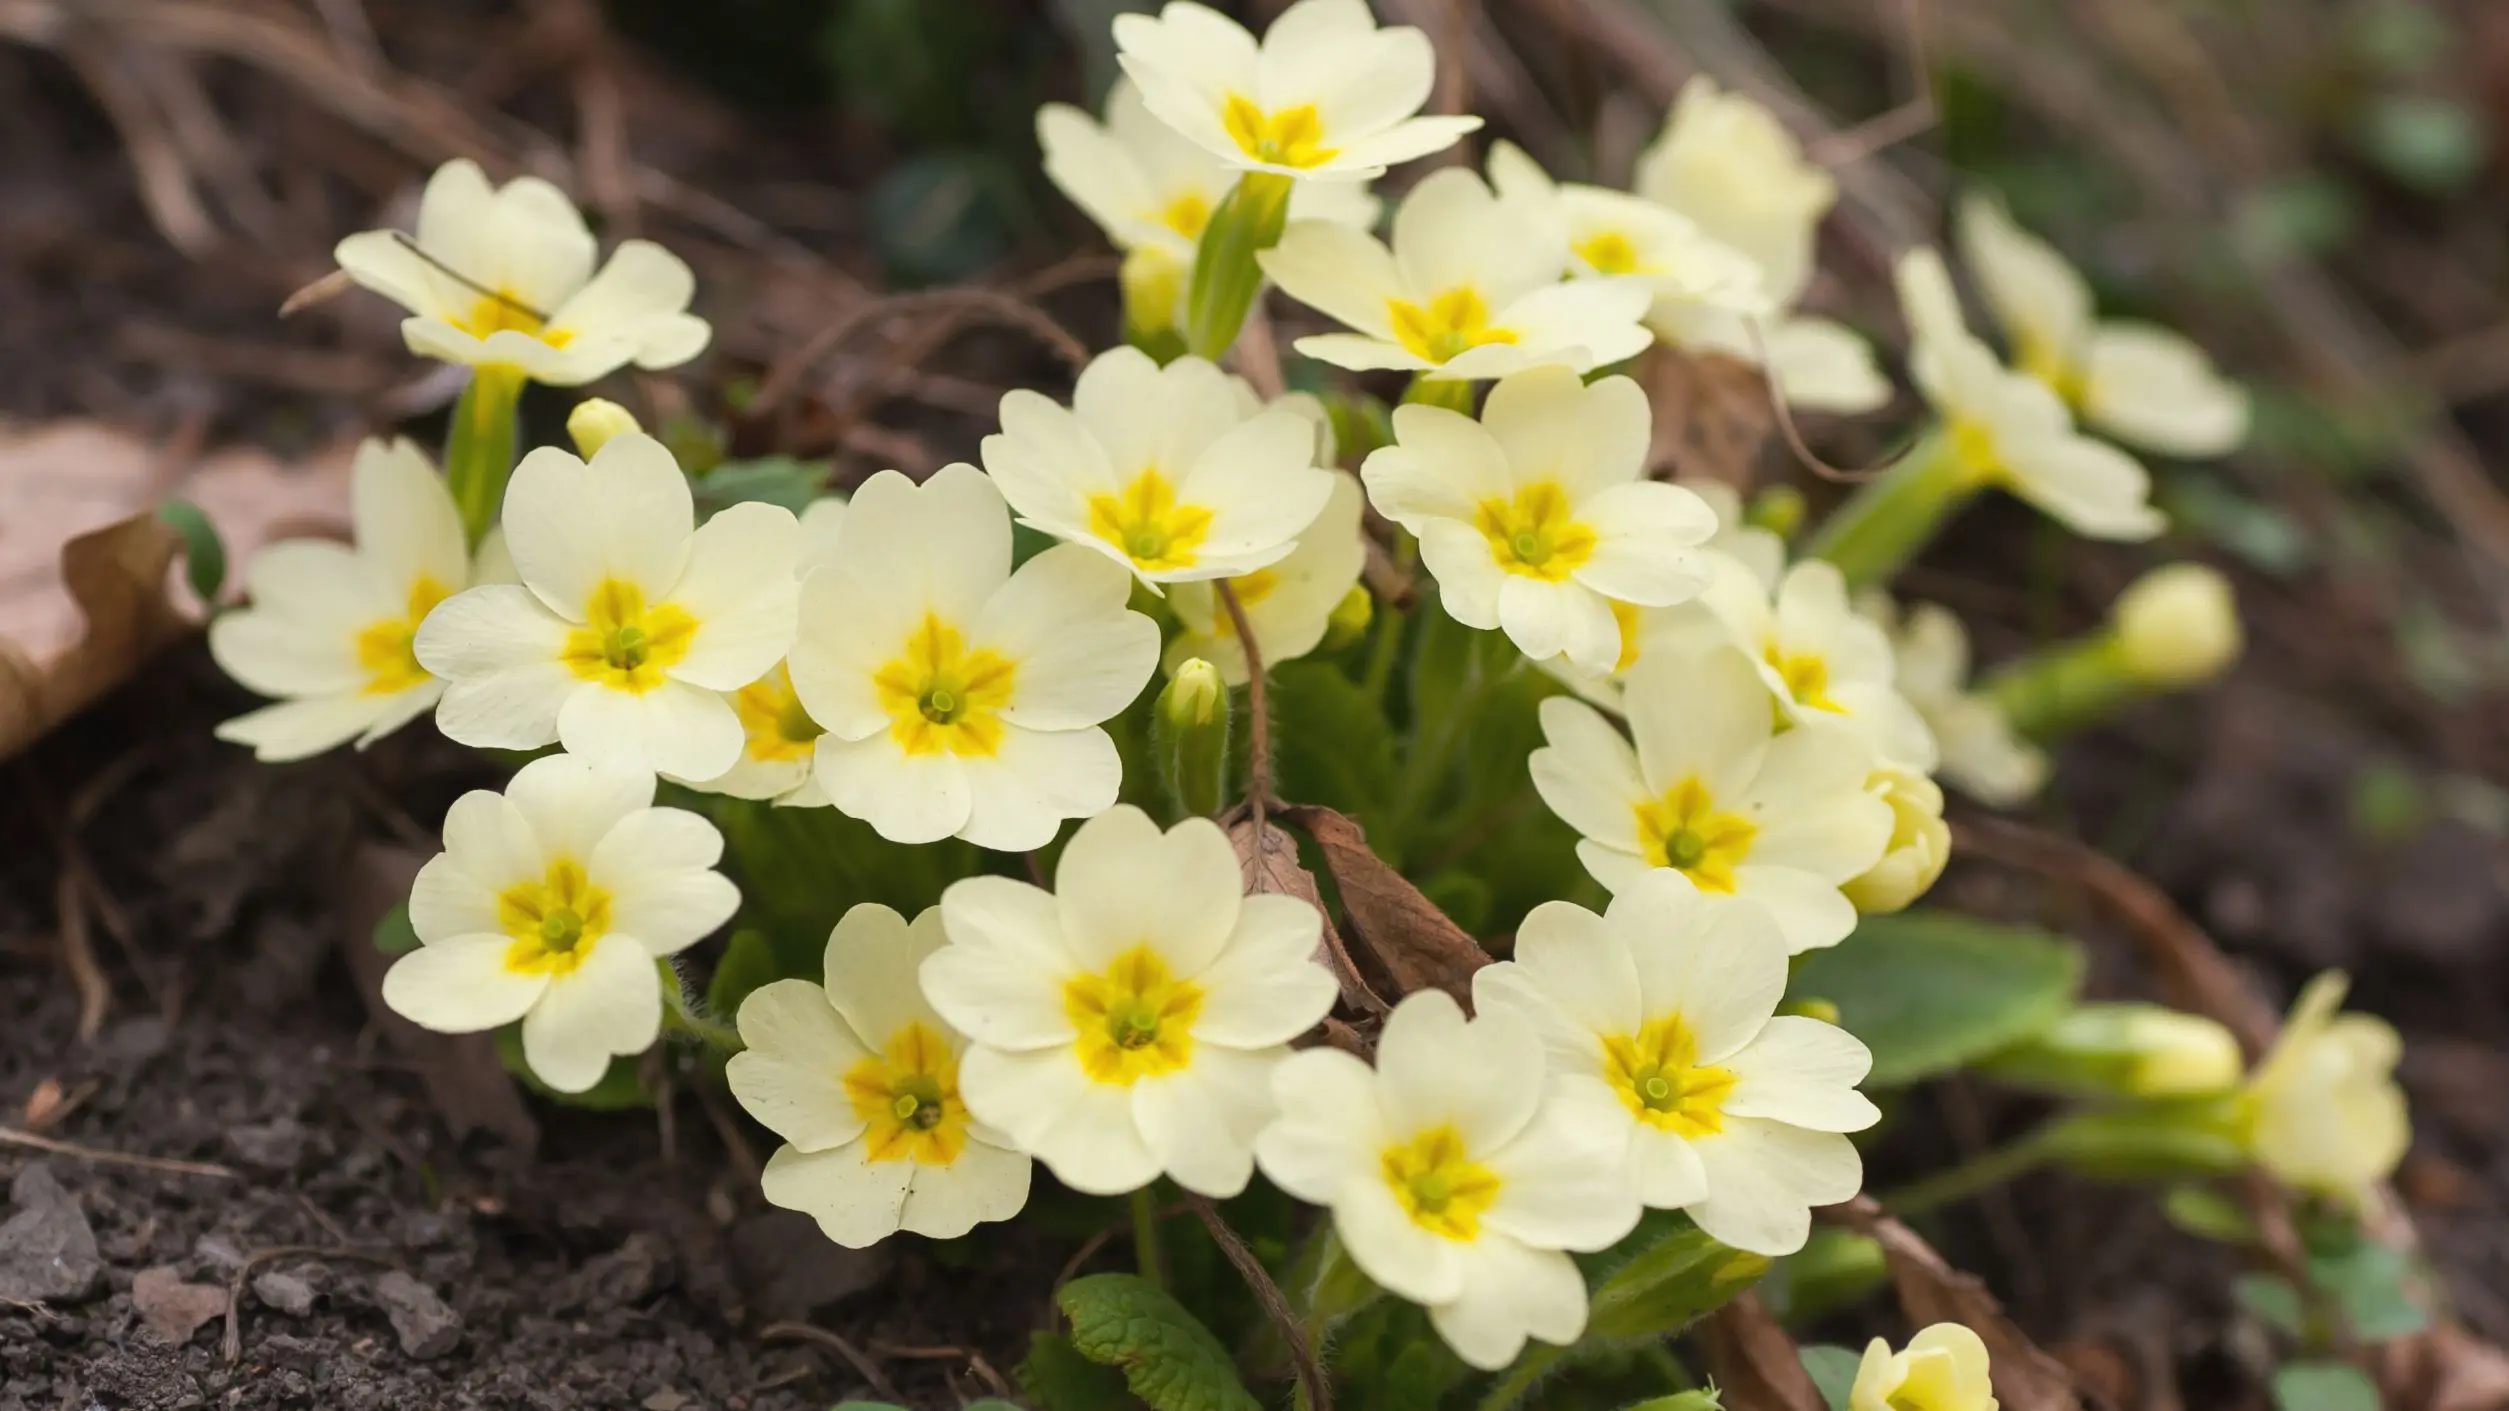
<point x="1006" y="308"/>
<point x="11" y="1136"/>
<point x="1888" y="129"/>
<point x="1793" y="435"/>
<point x="410" y="243"/>
<point x="1316" y="1388"/>
<point x="869" y="1370"/>
<point x="231" y="1347"/>
<point x="1259" y="729"/>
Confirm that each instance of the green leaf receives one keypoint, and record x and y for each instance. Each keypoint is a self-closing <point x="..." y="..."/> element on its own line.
<point x="1671" y="1283"/>
<point x="393" y="934"/>
<point x="1833" y="1370"/>
<point x="1835" y="1269"/>
<point x="1168" y="1358"/>
<point x="1332" y="743"/>
<point x="1928" y="991"/>
<point x="204" y="553"/>
<point x="619" y="1089"/>
<point x="1058" y="1378"/>
<point x="773" y="480"/>
<point x="2433" y="144"/>
<point x="2207" y="1213"/>
<point x="2324" y="1386"/>
<point x="2272" y="1302"/>
<point x="2369" y="1282"/>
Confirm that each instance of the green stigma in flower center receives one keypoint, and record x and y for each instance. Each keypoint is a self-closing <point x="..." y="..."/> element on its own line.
<point x="1685" y="848"/>
<point x="1532" y="550"/>
<point x="1433" y="1191"/>
<point x="560" y="929"/>
<point x="626" y="648"/>
<point x="1134" y="1026"/>
<point x="940" y="705"/>
<point x="1656" y="1090"/>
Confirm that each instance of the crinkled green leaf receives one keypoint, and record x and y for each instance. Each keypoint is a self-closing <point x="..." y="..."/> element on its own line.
<point x="1672" y="1281"/>
<point x="2324" y="1386"/>
<point x="1168" y="1358"/>
<point x="1928" y="991"/>
<point x="1057" y="1378"/>
<point x="1833" y="1370"/>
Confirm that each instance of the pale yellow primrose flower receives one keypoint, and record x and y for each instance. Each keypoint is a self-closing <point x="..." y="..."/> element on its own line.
<point x="1153" y="192"/>
<point x="1613" y="234"/>
<point x="1821" y="659"/>
<point x="960" y="698"/>
<point x="1288" y="605"/>
<point x="1668" y="1000"/>
<point x="504" y="277"/>
<point x="779" y="740"/>
<point x="2322" y="1113"/>
<point x="2177" y="626"/>
<point x="1920" y="843"/>
<point x="860" y="1078"/>
<point x="1127" y="1023"/>
<point x="1712" y="790"/>
<point x="1538" y="518"/>
<point x="550" y="904"/>
<point x="1943" y="1369"/>
<point x="1457" y="1171"/>
<point x="1726" y="164"/>
<point x="330" y="625"/>
<point x="1470" y="289"/>
<point x="2136" y="381"/>
<point x="1176" y="473"/>
<point x="630" y="622"/>
<point x="1326" y="96"/>
<point x="2010" y="429"/>
<point x="1982" y="755"/>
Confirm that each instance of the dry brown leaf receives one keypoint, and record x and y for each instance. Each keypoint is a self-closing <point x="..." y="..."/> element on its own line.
<point x="2443" y="1369"/>
<point x="1712" y="415"/>
<point x="171" y="1308"/>
<point x="1273" y="866"/>
<point x="1931" y="1291"/>
<point x="1416" y="945"/>
<point x="463" y="1076"/>
<point x="86" y="568"/>
<point x="1755" y="1363"/>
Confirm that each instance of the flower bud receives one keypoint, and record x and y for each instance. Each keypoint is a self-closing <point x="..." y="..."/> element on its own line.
<point x="2177" y="626"/>
<point x="1189" y="738"/>
<point x="2126" y="1050"/>
<point x="1943" y="1369"/>
<point x="1920" y="843"/>
<point x="1350" y="619"/>
<point x="594" y="422"/>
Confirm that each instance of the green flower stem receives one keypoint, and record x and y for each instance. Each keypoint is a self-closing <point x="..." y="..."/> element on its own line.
<point x="479" y="452"/>
<point x="1454" y="394"/>
<point x="1146" y="1234"/>
<point x="1892" y="517"/>
<point x="1986" y="1171"/>
<point x="1225" y="276"/>
<point x="680" y="1016"/>
<point x="1537" y="1361"/>
<point x="2060" y="689"/>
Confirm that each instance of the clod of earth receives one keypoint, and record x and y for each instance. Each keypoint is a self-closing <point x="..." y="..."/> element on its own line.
<point x="425" y="1324"/>
<point x="47" y="1252"/>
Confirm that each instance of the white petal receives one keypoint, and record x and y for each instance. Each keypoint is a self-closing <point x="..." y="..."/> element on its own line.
<point x="1820" y="366"/>
<point x="1562" y="1182"/>
<point x="1018" y="797"/>
<point x="1329" y="1128"/>
<point x="1484" y="1077"/>
<point x="640" y="298"/>
<point x="905" y="798"/>
<point x="407" y="526"/>
<point x="1443" y="465"/>
<point x="1358" y="352"/>
<point x="1391" y="1248"/>
<point x="2090" y="486"/>
<point x="1200" y="1121"/>
<point x="944" y="545"/>
<point x="460" y="985"/>
<point x="1706" y="717"/>
<point x="1452" y="232"/>
<point x="985" y="1183"/>
<point x="1006" y="989"/>
<point x="1047" y="464"/>
<point x="1765" y="1177"/>
<point x="1665" y="1170"/>
<point x="1810" y="910"/>
<point x="1614" y="867"/>
<point x="858" y="1202"/>
<point x="299" y="729"/>
<point x="1720" y="966"/>
<point x="1080" y="656"/>
<point x="609" y="1005"/>
<point x="1266" y="988"/>
<point x="511" y="710"/>
<point x="1122" y="884"/>
<point x="1511" y="1292"/>
<point x="1588" y="324"/>
<point x="625" y="517"/>
<point x="1471" y="587"/>
<point x="2040" y="300"/>
<point x="1644" y="529"/>
<point x="791" y="1075"/>
<point x="1083" y="1131"/>
<point x="478" y="633"/>
<point x="661" y="892"/>
<point x="1580" y="972"/>
<point x="675" y="728"/>
<point x="873" y="963"/>
<point x="1552" y="426"/>
<point x="489" y="841"/>
<point x="1803" y="1073"/>
<point x="572" y="803"/>
<point x="1587" y="773"/>
<point x="1805" y="802"/>
<point x="284" y="654"/>
<point x="1341" y="272"/>
<point x="2154" y="388"/>
<point x="739" y="586"/>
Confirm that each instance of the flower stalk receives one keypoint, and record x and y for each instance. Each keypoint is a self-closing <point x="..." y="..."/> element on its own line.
<point x="479" y="452"/>
<point x="1225" y="276"/>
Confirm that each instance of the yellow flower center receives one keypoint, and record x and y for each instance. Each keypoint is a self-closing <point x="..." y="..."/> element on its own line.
<point x="942" y="697"/>
<point x="2045" y="359"/>
<point x="1451" y="324"/>
<point x="1534" y="535"/>
<point x="779" y="731"/>
<point x="1684" y="830"/>
<point x="1658" y="1075"/>
<point x="504" y="312"/>
<point x="1147" y="523"/>
<point x="1292" y="137"/>
<point x="1806" y="675"/>
<point x="1135" y="1020"/>
<point x="1973" y="450"/>
<point x="907" y="1098"/>
<point x="1187" y="215"/>
<point x="554" y="922"/>
<point x="1438" y="1185"/>
<point x="1610" y="252"/>
<point x="1625" y="617"/>
<point x="625" y="644"/>
<point x="385" y="647"/>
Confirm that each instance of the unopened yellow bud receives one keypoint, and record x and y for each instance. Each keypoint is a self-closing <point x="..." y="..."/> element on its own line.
<point x="1350" y="619"/>
<point x="2127" y="1050"/>
<point x="2178" y="626"/>
<point x="1196" y="696"/>
<point x="1920" y="843"/>
<point x="1189" y="738"/>
<point x="595" y="421"/>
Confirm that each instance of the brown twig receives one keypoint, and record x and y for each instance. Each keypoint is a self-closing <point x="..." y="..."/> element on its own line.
<point x="231" y="1346"/>
<point x="869" y="1370"/>
<point x="1888" y="129"/>
<point x="78" y="952"/>
<point x="1317" y="1387"/>
<point x="974" y="1360"/>
<point x="11" y="1136"/>
<point x="1793" y="435"/>
<point x="1259" y="726"/>
<point x="1004" y="307"/>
